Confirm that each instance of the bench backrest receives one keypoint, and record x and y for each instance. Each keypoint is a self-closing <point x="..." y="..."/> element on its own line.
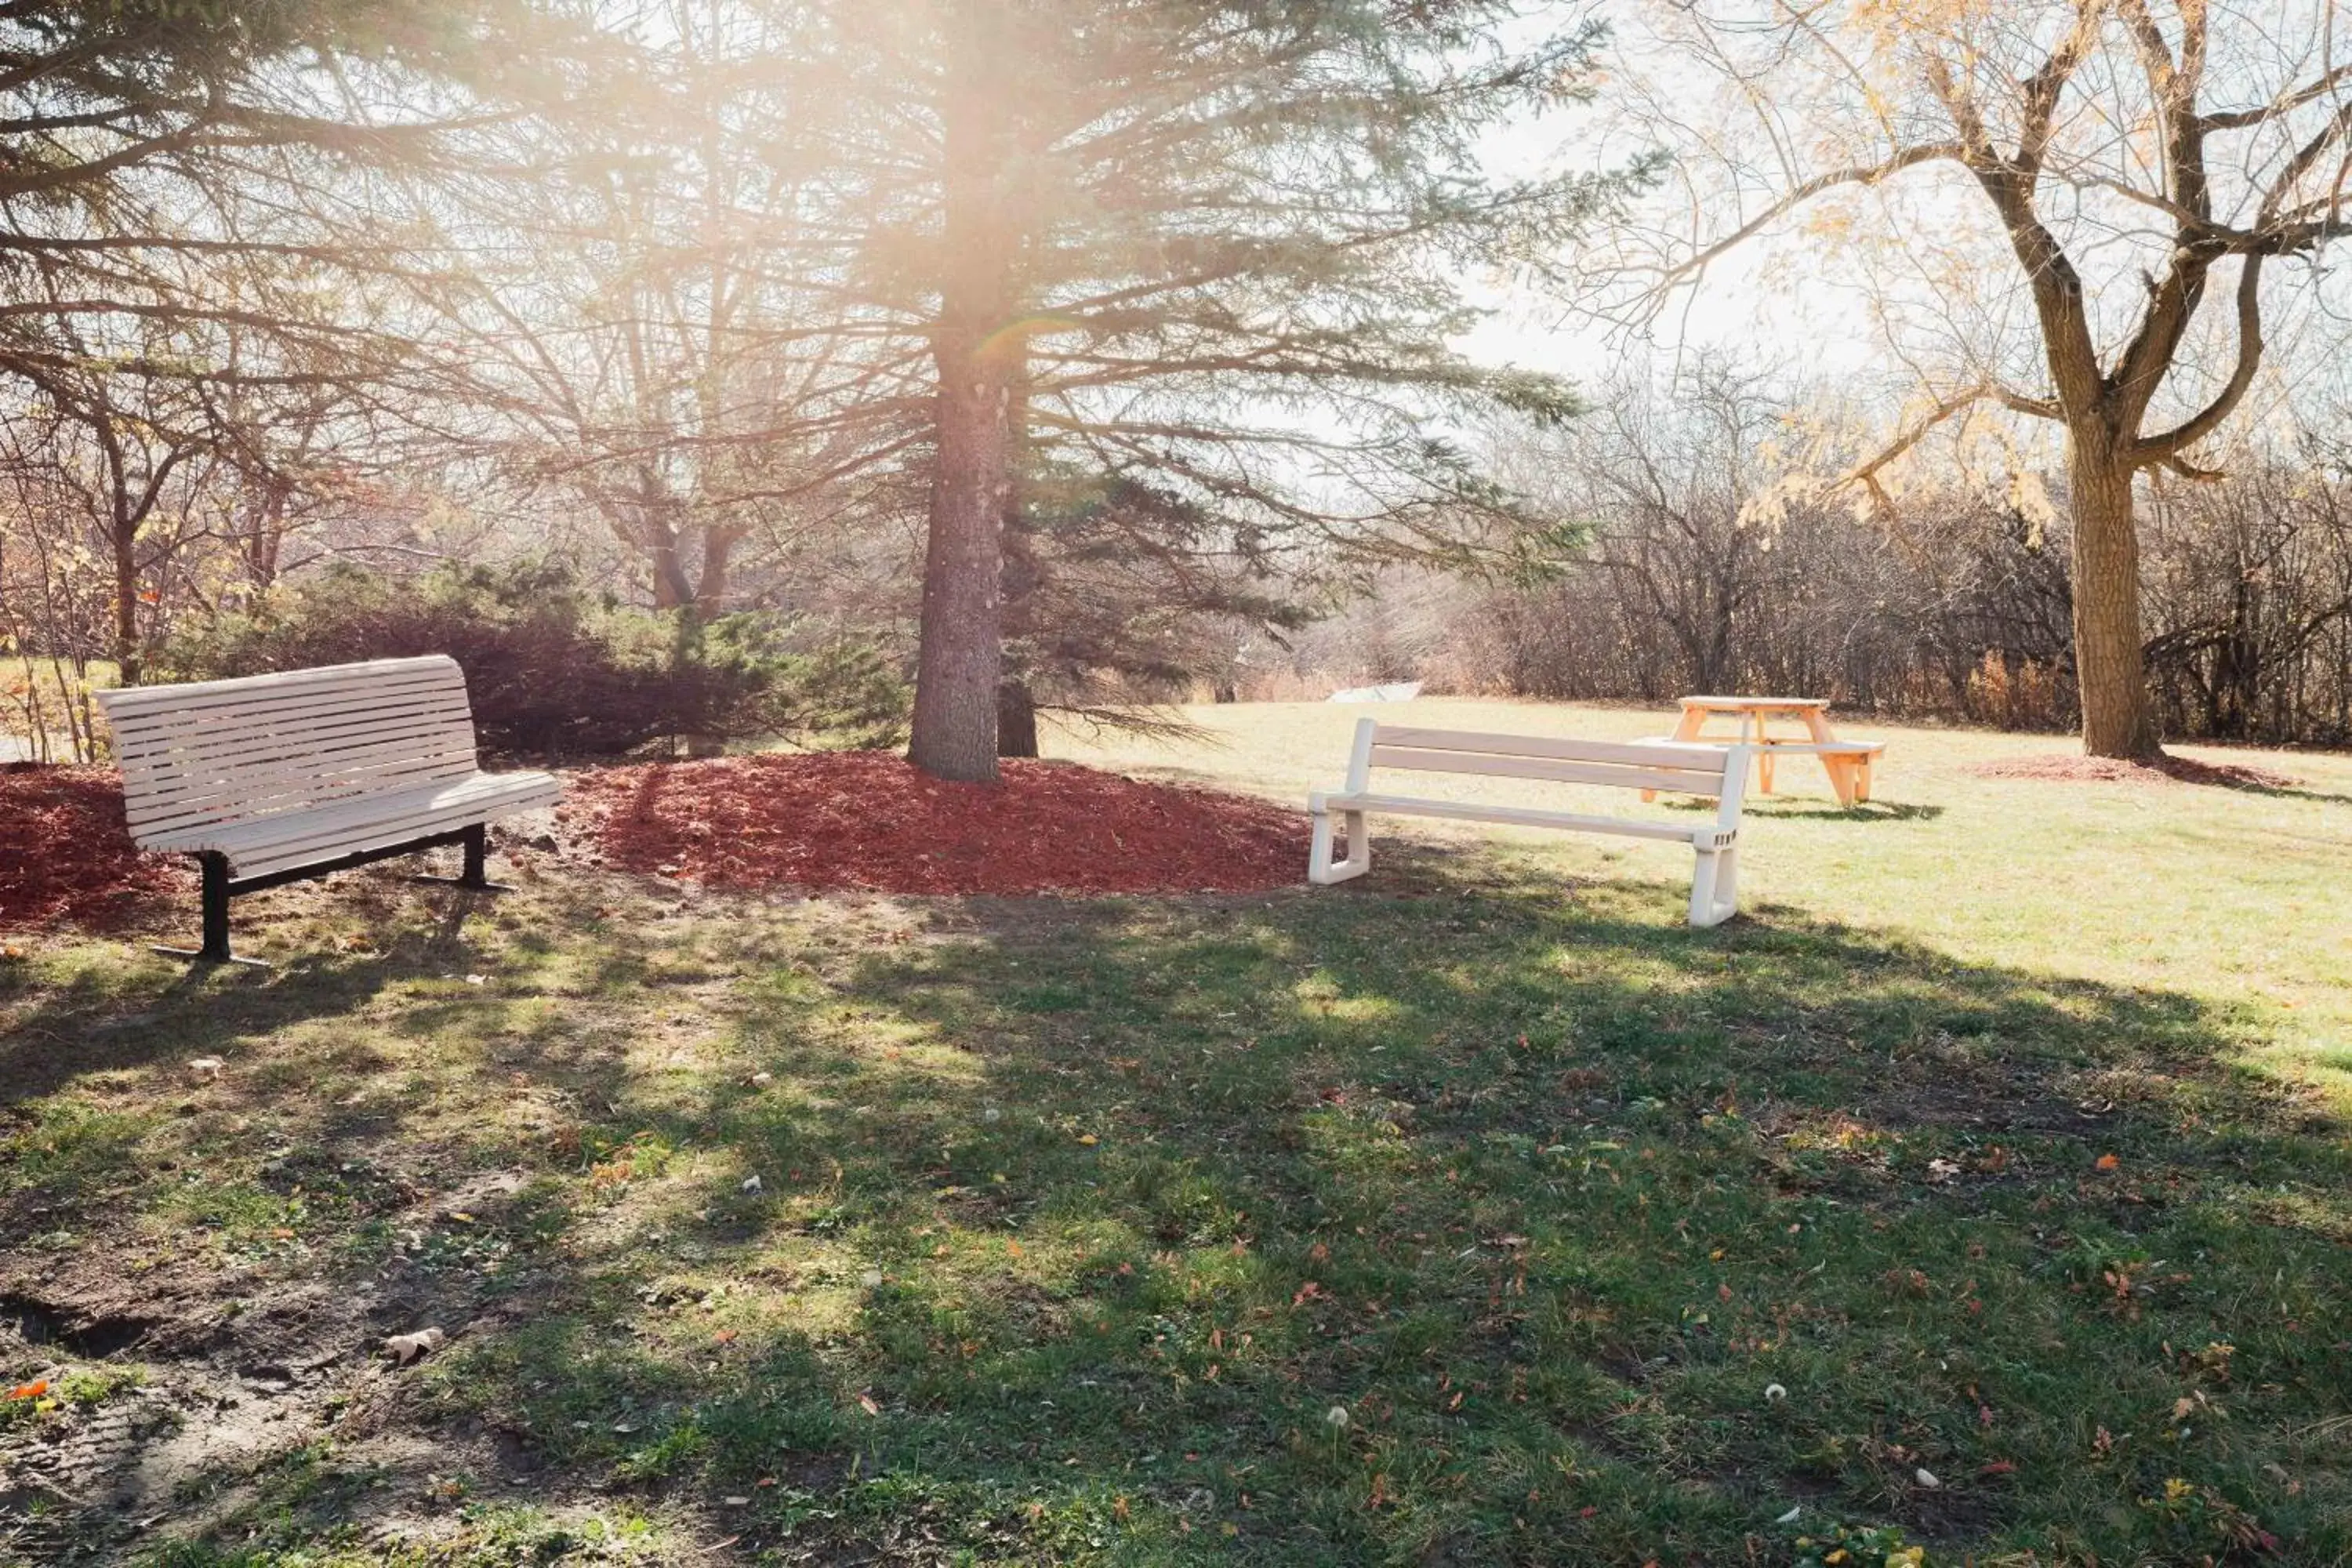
<point x="211" y="751"/>
<point x="1671" y="767"/>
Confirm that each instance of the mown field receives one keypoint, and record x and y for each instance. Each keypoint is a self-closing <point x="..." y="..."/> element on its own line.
<point x="1986" y="1189"/>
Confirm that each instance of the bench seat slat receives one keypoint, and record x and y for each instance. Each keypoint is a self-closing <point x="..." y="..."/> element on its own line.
<point x="258" y="747"/>
<point x="294" y="839"/>
<point x="1681" y="782"/>
<point x="1699" y="756"/>
<point x="263" y="801"/>
<point x="281" y="733"/>
<point x="298" y="711"/>
<point x="164" y="780"/>
<point x="381" y="674"/>
<point x="1523" y="816"/>
<point x="251" y="793"/>
<point x="219" y="725"/>
<point x="294" y="707"/>
<point x="291" y="781"/>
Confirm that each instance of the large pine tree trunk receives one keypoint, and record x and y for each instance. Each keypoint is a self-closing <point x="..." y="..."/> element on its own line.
<point x="962" y="650"/>
<point x="2109" y="662"/>
<point x="954" y="732"/>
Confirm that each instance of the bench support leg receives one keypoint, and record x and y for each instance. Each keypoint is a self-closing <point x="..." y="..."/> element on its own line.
<point x="1320" y="868"/>
<point x="215" y="948"/>
<point x="1715" y="886"/>
<point x="476" y="877"/>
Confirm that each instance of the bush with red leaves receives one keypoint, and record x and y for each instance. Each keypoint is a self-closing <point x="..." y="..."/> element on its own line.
<point x="871" y="820"/>
<point x="65" y="856"/>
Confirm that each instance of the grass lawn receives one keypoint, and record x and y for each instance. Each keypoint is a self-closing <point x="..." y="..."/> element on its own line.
<point x="1989" y="1182"/>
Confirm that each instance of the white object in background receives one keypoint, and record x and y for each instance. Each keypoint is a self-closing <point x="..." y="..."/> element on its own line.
<point x="1677" y="768"/>
<point x="1400" y="691"/>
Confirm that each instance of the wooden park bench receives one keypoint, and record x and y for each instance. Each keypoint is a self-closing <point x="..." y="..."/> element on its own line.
<point x="275" y="778"/>
<point x="1675" y="767"/>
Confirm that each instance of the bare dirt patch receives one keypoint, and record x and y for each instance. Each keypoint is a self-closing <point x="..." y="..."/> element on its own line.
<point x="2057" y="768"/>
<point x="866" y="820"/>
<point x="172" y="1391"/>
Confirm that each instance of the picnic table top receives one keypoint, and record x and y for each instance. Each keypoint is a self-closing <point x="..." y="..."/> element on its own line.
<point x="1740" y="702"/>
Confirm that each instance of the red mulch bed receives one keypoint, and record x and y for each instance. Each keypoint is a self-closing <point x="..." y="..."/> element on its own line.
<point x="65" y="855"/>
<point x="869" y="820"/>
<point x="2065" y="769"/>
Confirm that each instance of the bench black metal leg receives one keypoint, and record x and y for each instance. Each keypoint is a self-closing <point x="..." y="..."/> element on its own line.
<point x="476" y="877"/>
<point x="216" y="949"/>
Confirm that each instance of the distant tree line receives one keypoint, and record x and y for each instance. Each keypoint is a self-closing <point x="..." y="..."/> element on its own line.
<point x="1690" y="576"/>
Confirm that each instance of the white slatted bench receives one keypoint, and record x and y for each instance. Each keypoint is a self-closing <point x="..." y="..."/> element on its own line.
<point x="274" y="778"/>
<point x="1675" y="767"/>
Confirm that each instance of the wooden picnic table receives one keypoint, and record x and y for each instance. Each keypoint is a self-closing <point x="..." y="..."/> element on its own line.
<point x="1847" y="762"/>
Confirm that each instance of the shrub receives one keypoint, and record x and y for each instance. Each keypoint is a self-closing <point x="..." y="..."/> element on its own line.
<point x="554" y="670"/>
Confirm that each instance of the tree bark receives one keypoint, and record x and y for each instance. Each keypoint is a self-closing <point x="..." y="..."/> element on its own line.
<point x="2110" y="664"/>
<point x="126" y="605"/>
<point x="1016" y="721"/>
<point x="961" y="650"/>
<point x="954" y="729"/>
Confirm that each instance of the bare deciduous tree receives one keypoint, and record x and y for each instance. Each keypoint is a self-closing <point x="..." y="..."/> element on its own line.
<point x="2126" y="159"/>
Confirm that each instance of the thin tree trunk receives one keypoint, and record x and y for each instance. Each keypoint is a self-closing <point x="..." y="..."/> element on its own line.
<point x="2110" y="666"/>
<point x="126" y="605"/>
<point x="1016" y="721"/>
<point x="718" y="563"/>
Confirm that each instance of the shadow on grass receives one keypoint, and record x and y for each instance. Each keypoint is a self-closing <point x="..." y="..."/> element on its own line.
<point x="1083" y="1218"/>
<point x="1407" y="1222"/>
<point x="127" y="1007"/>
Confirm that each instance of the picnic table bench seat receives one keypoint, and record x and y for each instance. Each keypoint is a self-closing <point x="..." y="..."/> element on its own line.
<point x="272" y="778"/>
<point x="1848" y="762"/>
<point x="1649" y="766"/>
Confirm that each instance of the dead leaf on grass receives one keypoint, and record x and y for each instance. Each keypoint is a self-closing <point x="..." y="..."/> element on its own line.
<point x="406" y="1348"/>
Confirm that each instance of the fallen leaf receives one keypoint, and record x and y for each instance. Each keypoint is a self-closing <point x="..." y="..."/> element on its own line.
<point x="2109" y="1161"/>
<point x="406" y="1348"/>
<point x="867" y="1401"/>
<point x="725" y="1336"/>
<point x="1088" y="1138"/>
